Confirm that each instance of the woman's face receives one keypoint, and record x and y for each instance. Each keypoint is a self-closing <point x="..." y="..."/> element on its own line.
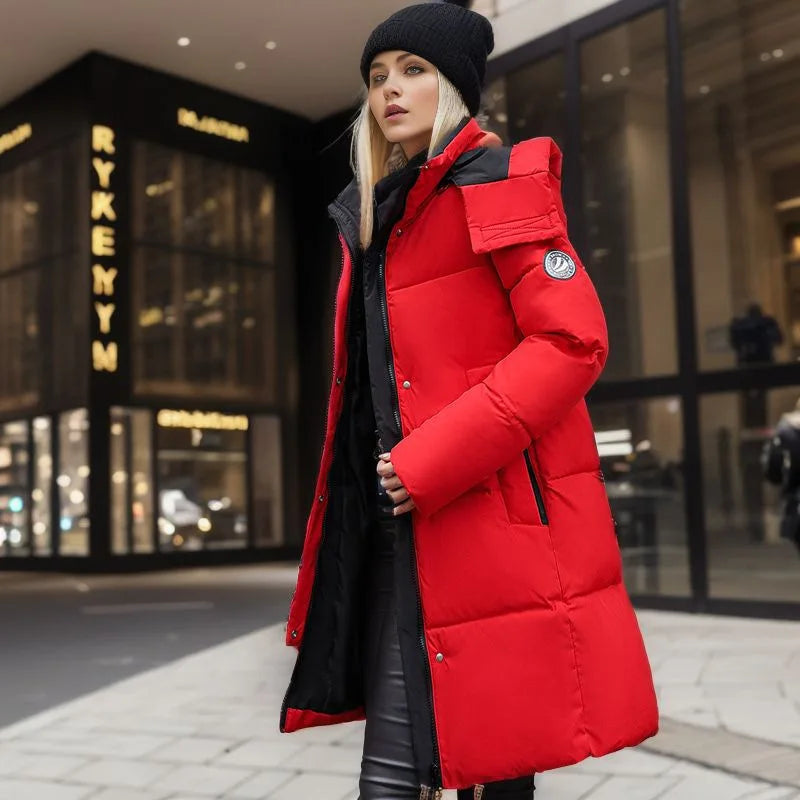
<point x="403" y="98"/>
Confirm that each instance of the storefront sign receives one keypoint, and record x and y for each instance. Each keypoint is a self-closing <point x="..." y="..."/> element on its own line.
<point x="105" y="350"/>
<point x="203" y="420"/>
<point x="16" y="137"/>
<point x="216" y="127"/>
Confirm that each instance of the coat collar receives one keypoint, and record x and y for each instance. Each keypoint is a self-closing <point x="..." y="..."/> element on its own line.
<point x="345" y="210"/>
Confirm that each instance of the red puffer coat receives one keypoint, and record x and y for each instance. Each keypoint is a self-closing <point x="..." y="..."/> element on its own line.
<point x="531" y="647"/>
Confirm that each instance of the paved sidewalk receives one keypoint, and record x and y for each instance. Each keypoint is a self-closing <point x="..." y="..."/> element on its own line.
<point x="206" y="727"/>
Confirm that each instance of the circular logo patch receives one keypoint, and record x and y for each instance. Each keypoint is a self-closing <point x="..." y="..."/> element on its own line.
<point x="559" y="265"/>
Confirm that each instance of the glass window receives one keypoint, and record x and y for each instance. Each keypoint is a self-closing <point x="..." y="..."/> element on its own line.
<point x="203" y="277"/>
<point x="625" y="164"/>
<point x="642" y="460"/>
<point x="202" y="488"/>
<point x="131" y="481"/>
<point x="14" y="489"/>
<point x="20" y="343"/>
<point x="742" y="86"/>
<point x="751" y="522"/>
<point x="41" y="496"/>
<point x="267" y="480"/>
<point x="43" y="297"/>
<point x="205" y="326"/>
<point x="529" y="102"/>
<point x="73" y="482"/>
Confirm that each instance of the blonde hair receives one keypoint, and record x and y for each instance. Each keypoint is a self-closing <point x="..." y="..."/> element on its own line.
<point x="373" y="156"/>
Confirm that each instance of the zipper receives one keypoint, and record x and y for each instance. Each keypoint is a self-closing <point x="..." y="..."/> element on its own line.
<point x="424" y="204"/>
<point x="537" y="492"/>
<point x="426" y="792"/>
<point x="343" y="243"/>
<point x="435" y="791"/>
<point x="387" y="340"/>
<point x="479" y="787"/>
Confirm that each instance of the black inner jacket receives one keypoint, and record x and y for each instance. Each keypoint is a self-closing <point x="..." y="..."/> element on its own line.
<point x="328" y="675"/>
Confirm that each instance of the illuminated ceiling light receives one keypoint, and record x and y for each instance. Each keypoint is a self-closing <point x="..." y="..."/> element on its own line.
<point x="63" y="481"/>
<point x="765" y="56"/>
<point x="184" y="41"/>
<point x="501" y="117"/>
<point x="778" y="52"/>
<point x="705" y="89"/>
<point x="116" y="429"/>
<point x="83" y="471"/>
<point x="204" y="524"/>
<point x="270" y="45"/>
<point x="607" y="78"/>
<point x="625" y="71"/>
<point x="240" y="65"/>
<point x="76" y="496"/>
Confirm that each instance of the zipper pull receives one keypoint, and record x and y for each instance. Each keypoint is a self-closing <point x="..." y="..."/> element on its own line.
<point x="478" y="791"/>
<point x="425" y="792"/>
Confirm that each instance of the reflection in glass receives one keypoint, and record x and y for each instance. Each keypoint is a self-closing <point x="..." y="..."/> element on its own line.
<point x="640" y="455"/>
<point x="41" y="202"/>
<point x="529" y="102"/>
<point x="202" y="489"/>
<point x="41" y="516"/>
<point x="266" y="469"/>
<point x="20" y="338"/>
<point x="744" y="512"/>
<point x="14" y="496"/>
<point x="73" y="482"/>
<point x="626" y="193"/>
<point x="131" y="481"/>
<point x="204" y="282"/>
<point x="742" y="85"/>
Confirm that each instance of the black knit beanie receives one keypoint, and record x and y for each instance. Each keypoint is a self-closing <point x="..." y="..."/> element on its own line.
<point x="456" y="40"/>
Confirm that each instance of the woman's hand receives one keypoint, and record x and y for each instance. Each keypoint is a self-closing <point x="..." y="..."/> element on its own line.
<point x="399" y="494"/>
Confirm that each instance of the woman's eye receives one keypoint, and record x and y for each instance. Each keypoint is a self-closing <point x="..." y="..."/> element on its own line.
<point x="414" y="66"/>
<point x="377" y="78"/>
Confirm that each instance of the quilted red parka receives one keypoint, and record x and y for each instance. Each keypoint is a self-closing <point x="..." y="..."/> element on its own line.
<point x="531" y="651"/>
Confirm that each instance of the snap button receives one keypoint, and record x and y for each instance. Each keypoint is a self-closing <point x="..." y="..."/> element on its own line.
<point x="439" y="657"/>
<point x="338" y="380"/>
<point x="399" y="232"/>
<point x="406" y="384"/>
<point x="294" y="634"/>
<point x="321" y="497"/>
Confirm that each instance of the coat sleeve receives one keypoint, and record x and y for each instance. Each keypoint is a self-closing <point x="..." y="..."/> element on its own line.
<point x="561" y="352"/>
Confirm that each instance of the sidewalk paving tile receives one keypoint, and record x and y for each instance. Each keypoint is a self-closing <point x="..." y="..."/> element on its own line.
<point x="202" y="780"/>
<point x="327" y="758"/>
<point x="44" y="767"/>
<point x="633" y="788"/>
<point x="28" y="790"/>
<point x="117" y="793"/>
<point x="318" y="787"/>
<point x="261" y="754"/>
<point x="194" y="750"/>
<point x="119" y="772"/>
<point x="260" y="785"/>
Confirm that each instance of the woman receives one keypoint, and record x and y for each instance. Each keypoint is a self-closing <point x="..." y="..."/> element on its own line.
<point x="481" y="625"/>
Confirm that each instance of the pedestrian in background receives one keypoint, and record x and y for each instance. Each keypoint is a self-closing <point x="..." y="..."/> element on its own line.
<point x="470" y="605"/>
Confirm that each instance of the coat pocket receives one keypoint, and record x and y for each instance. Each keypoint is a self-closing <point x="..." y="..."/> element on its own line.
<point x="537" y="491"/>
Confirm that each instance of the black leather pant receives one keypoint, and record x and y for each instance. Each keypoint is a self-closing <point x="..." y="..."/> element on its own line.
<point x="387" y="765"/>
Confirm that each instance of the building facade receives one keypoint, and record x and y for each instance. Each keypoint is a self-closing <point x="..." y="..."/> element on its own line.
<point x="682" y="181"/>
<point x="149" y="387"/>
